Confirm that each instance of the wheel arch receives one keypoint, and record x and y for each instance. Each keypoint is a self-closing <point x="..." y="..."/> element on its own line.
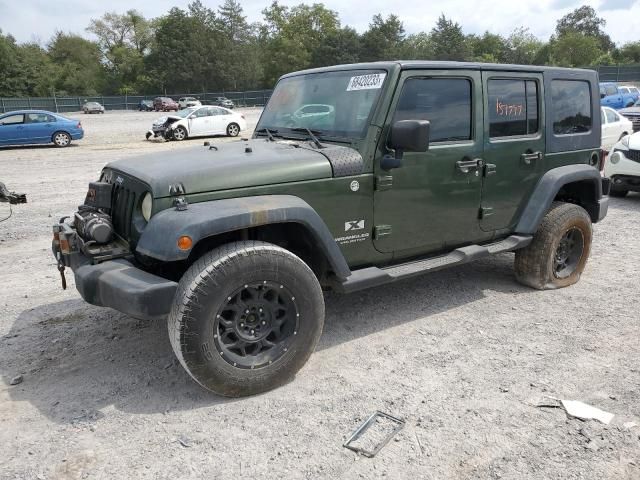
<point x="283" y="220"/>
<point x="579" y="184"/>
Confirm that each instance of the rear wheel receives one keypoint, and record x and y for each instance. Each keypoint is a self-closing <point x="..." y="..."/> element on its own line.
<point x="245" y="318"/>
<point x="233" y="129"/>
<point x="558" y="253"/>
<point x="61" y="139"/>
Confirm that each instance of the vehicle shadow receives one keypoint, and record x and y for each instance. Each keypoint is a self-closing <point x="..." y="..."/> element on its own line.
<point x="77" y="359"/>
<point x="6" y="148"/>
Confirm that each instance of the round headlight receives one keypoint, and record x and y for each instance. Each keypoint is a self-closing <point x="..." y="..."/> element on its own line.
<point x="147" y="203"/>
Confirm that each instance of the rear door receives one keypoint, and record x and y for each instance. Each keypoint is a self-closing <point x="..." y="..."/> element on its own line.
<point x="514" y="145"/>
<point x="39" y="126"/>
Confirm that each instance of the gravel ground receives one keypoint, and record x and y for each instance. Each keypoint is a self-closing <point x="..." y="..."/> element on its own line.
<point x="463" y="356"/>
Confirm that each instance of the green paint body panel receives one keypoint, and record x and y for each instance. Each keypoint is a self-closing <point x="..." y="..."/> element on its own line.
<point x="426" y="206"/>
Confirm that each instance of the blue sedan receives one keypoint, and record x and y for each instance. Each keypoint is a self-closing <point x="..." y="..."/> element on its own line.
<point x="25" y="127"/>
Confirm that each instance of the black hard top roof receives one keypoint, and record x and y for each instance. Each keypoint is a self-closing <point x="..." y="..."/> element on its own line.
<point x="440" y="65"/>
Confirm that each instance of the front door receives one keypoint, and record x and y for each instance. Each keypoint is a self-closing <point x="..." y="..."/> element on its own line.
<point x="201" y="122"/>
<point x="12" y="129"/>
<point x="514" y="145"/>
<point x="431" y="202"/>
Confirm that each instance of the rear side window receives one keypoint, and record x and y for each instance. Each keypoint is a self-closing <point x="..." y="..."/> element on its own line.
<point x="612" y="116"/>
<point x="445" y="102"/>
<point x="571" y="107"/>
<point x="513" y="107"/>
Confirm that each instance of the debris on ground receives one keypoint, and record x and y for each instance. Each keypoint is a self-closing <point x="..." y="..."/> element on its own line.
<point x="586" y="412"/>
<point x="185" y="442"/>
<point x="374" y="433"/>
<point x="16" y="380"/>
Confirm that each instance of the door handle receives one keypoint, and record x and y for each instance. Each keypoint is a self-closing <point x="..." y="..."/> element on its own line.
<point x="20" y="127"/>
<point x="530" y="156"/>
<point x="466" y="165"/>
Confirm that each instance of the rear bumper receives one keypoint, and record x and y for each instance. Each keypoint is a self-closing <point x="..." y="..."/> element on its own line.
<point x="117" y="284"/>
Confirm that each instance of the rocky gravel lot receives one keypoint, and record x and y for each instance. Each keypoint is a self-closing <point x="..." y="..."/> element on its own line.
<point x="464" y="356"/>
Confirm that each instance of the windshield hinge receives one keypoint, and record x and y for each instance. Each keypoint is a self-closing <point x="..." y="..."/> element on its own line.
<point x="384" y="182"/>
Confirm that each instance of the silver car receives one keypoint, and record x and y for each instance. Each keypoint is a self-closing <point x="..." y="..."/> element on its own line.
<point x="92" y="107"/>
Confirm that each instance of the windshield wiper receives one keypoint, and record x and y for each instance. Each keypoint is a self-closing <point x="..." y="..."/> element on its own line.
<point x="269" y="133"/>
<point x="311" y="135"/>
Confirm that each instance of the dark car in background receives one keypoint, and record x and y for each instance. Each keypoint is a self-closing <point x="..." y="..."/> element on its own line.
<point x="26" y="127"/>
<point x="633" y="114"/>
<point x="165" y="104"/>
<point x="223" y="102"/>
<point x="92" y="107"/>
<point x="145" y="106"/>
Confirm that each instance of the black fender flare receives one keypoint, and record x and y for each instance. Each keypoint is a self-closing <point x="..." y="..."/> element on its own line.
<point x="205" y="219"/>
<point x="548" y="187"/>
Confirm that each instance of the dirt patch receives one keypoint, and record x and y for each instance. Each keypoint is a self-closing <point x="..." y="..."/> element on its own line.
<point x="461" y="355"/>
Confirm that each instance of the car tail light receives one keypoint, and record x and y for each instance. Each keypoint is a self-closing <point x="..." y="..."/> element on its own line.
<point x="79" y="126"/>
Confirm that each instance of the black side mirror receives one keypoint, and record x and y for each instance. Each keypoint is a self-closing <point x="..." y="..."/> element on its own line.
<point x="602" y="95"/>
<point x="406" y="136"/>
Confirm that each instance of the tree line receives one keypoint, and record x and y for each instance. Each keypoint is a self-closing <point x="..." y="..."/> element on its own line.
<point x="200" y="49"/>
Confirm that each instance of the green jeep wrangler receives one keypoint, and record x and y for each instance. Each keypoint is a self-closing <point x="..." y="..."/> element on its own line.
<point x="356" y="176"/>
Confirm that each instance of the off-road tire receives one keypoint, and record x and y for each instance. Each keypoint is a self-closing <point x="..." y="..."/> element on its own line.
<point x="618" y="193"/>
<point x="204" y="292"/>
<point x="535" y="264"/>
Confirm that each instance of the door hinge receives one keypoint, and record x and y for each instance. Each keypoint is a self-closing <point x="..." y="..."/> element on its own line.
<point x="381" y="231"/>
<point x="384" y="182"/>
<point x="489" y="169"/>
<point x="485" y="212"/>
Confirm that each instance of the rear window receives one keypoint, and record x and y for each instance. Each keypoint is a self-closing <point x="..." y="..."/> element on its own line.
<point x="513" y="107"/>
<point x="571" y="107"/>
<point x="12" y="119"/>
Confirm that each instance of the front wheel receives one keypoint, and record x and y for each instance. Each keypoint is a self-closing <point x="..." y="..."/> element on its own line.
<point x="61" y="139"/>
<point x="179" y="133"/>
<point x="558" y="253"/>
<point x="233" y="129"/>
<point x="245" y="318"/>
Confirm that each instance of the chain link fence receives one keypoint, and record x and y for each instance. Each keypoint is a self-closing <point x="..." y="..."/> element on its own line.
<point x="253" y="98"/>
<point x="619" y="73"/>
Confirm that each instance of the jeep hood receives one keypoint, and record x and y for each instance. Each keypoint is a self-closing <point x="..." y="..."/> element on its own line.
<point x="230" y="165"/>
<point x="634" y="141"/>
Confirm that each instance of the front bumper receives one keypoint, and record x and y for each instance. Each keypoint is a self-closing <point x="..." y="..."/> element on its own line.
<point x="115" y="283"/>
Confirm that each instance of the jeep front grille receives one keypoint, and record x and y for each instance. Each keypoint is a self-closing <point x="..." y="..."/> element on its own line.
<point x="633" y="155"/>
<point x="635" y="119"/>
<point x="123" y="202"/>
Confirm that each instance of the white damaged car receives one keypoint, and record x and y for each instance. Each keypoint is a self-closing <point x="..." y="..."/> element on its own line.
<point x="622" y="166"/>
<point x="204" y="121"/>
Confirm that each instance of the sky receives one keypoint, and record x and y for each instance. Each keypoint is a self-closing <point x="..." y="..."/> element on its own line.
<point x="37" y="20"/>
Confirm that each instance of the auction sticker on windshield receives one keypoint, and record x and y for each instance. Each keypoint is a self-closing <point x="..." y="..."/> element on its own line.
<point x="366" y="82"/>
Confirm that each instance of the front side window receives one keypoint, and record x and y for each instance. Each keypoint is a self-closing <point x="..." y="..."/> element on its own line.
<point x="513" y="107"/>
<point x="571" y="107"/>
<point x="334" y="103"/>
<point x="611" y="90"/>
<point x="445" y="102"/>
<point x="12" y="119"/>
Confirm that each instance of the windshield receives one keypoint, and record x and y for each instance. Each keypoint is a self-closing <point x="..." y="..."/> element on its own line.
<point x="184" y="113"/>
<point x="335" y="104"/>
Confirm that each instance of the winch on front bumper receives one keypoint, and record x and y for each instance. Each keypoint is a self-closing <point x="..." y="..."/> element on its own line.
<point x="106" y="276"/>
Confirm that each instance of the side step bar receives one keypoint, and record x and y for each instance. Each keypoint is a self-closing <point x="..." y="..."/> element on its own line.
<point x="374" y="276"/>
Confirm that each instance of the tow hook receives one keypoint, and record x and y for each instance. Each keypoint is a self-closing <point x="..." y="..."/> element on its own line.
<point x="62" y="277"/>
